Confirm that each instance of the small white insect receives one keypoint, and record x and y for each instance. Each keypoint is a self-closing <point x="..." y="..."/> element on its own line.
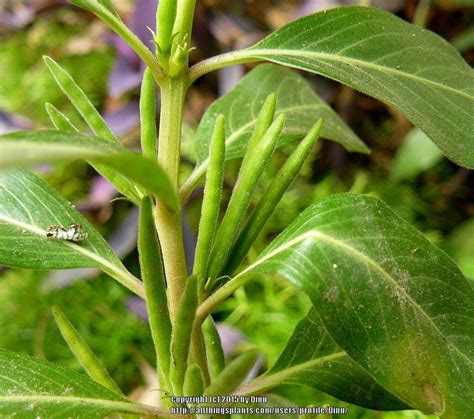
<point x="74" y="233"/>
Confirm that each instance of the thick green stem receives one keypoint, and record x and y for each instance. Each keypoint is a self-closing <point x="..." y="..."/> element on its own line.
<point x="168" y="222"/>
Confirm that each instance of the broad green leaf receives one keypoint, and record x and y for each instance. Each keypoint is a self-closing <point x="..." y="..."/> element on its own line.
<point x="311" y="358"/>
<point x="295" y="98"/>
<point x="33" y="388"/>
<point x="28" y="147"/>
<point x="460" y="246"/>
<point x="28" y="206"/>
<point x="403" y="65"/>
<point x="417" y="154"/>
<point x="397" y="305"/>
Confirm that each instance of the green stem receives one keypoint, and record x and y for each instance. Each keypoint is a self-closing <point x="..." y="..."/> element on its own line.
<point x="168" y="222"/>
<point x="219" y="296"/>
<point x="220" y="61"/>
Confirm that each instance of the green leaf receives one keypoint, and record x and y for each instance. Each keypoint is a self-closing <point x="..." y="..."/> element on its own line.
<point x="295" y="98"/>
<point x="28" y="206"/>
<point x="397" y="305"/>
<point x="379" y="54"/>
<point x="417" y="154"/>
<point x="311" y="358"/>
<point x="33" y="388"/>
<point x="403" y="65"/>
<point x="28" y="147"/>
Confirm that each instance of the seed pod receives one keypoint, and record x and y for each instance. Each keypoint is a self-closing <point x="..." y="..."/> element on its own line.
<point x="154" y="283"/>
<point x="182" y="331"/>
<point x="211" y="200"/>
<point x="148" y="115"/>
<point x="232" y="375"/>
<point x="264" y="120"/>
<point x="271" y="198"/>
<point x="193" y="381"/>
<point x="252" y="168"/>
<point x="59" y="120"/>
<point x="165" y="17"/>
<point x="215" y="354"/>
<point x="83" y="353"/>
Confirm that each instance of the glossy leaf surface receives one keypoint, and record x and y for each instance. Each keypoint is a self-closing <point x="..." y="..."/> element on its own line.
<point x="28" y="147"/>
<point x="33" y="388"/>
<point x="408" y="67"/>
<point x="28" y="206"/>
<point x="395" y="303"/>
<point x="311" y="358"/>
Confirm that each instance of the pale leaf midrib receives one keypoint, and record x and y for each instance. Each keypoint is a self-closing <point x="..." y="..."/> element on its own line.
<point x="268" y="381"/>
<point x="315" y="234"/>
<point x="91" y="255"/>
<point x="81" y="401"/>
<point x="259" y="53"/>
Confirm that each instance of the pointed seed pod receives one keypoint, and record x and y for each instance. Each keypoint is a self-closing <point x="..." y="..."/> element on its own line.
<point x="153" y="278"/>
<point x="211" y="200"/>
<point x="250" y="172"/>
<point x="148" y="115"/>
<point x="271" y="198"/>
<point x="232" y="375"/>
<point x="182" y="331"/>
<point x="193" y="381"/>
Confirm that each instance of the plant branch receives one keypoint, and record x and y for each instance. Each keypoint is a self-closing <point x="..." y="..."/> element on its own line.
<point x="221" y="61"/>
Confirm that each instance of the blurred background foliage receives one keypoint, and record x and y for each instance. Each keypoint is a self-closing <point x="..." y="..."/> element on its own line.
<point x="405" y="169"/>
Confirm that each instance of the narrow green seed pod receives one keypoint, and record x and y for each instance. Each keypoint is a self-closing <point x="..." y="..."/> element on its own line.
<point x="232" y="375"/>
<point x="155" y="288"/>
<point x="182" y="331"/>
<point x="148" y="115"/>
<point x="271" y="198"/>
<point x="249" y="175"/>
<point x="80" y="101"/>
<point x="58" y="119"/>
<point x="264" y="120"/>
<point x="165" y="17"/>
<point x="83" y="353"/>
<point x="215" y="354"/>
<point x="193" y="381"/>
<point x="212" y="198"/>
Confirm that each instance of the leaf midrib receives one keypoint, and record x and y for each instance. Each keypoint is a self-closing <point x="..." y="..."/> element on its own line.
<point x="104" y="263"/>
<point x="345" y="59"/>
<point x="273" y="379"/>
<point x="120" y="406"/>
<point x="315" y="234"/>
